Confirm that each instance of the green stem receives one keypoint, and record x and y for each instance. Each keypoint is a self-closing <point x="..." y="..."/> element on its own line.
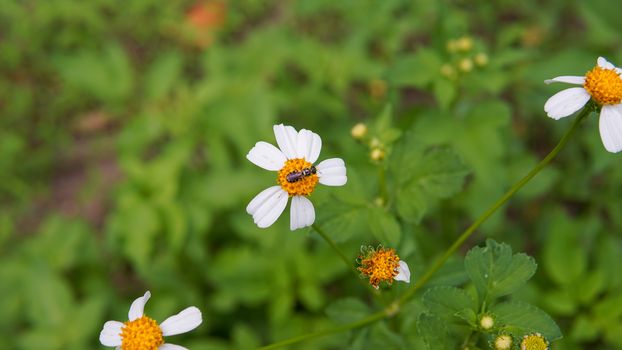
<point x="482" y="218"/>
<point x="333" y="245"/>
<point x="382" y="183"/>
<point x="394" y="307"/>
<point x="370" y="319"/>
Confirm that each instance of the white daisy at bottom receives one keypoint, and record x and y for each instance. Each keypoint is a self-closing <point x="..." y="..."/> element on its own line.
<point x="144" y="333"/>
<point x="603" y="84"/>
<point x="297" y="176"/>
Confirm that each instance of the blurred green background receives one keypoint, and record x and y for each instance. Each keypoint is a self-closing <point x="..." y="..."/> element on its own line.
<point x="124" y="127"/>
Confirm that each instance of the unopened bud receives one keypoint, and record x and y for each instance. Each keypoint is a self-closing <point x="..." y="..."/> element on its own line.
<point x="377" y="154"/>
<point x="448" y="71"/>
<point x="503" y="342"/>
<point x="486" y="322"/>
<point x="464" y="44"/>
<point x="359" y="131"/>
<point x="481" y="59"/>
<point x="465" y="65"/>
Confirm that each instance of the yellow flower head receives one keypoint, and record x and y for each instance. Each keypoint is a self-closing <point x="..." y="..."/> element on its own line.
<point x="382" y="265"/>
<point x="534" y="341"/>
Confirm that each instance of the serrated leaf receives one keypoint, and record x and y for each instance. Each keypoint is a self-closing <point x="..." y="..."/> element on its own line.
<point x="434" y="332"/>
<point x="384" y="226"/>
<point x="495" y="271"/>
<point x="423" y="176"/>
<point x="447" y="302"/>
<point x="469" y="316"/>
<point x="520" y="318"/>
<point x="347" y="310"/>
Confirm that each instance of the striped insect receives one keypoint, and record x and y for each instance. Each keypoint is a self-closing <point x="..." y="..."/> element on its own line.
<point x="296" y="176"/>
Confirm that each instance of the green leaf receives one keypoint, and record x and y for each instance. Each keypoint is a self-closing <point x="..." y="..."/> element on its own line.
<point x="445" y="92"/>
<point x="520" y="318"/>
<point x="565" y="258"/>
<point x="447" y="302"/>
<point x="434" y="332"/>
<point x="384" y="226"/>
<point x="495" y="271"/>
<point x="162" y="74"/>
<point x="418" y="70"/>
<point x="347" y="310"/>
<point x="423" y="176"/>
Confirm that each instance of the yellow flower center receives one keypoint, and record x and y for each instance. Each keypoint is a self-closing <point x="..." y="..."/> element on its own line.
<point x="141" y="334"/>
<point x="534" y="342"/>
<point x="379" y="265"/>
<point x="293" y="179"/>
<point x="605" y="85"/>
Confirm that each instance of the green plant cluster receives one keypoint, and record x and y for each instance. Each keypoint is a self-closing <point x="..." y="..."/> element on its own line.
<point x="123" y="130"/>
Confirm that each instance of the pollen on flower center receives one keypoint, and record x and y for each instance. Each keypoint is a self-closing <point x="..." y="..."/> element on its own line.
<point x="299" y="184"/>
<point x="534" y="342"/>
<point x="379" y="265"/>
<point x="604" y="85"/>
<point x="141" y="334"/>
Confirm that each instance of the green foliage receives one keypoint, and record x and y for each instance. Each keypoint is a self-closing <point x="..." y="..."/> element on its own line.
<point x="495" y="271"/>
<point x="124" y="127"/>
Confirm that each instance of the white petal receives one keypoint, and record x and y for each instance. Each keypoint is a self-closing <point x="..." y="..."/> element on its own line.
<point x="610" y="126"/>
<point x="111" y="334"/>
<point x="308" y="146"/>
<point x="185" y="321"/>
<point x="403" y="272"/>
<point x="566" y="102"/>
<point x="302" y="213"/>
<point x="266" y="156"/>
<point x="332" y="172"/>
<point x="603" y="63"/>
<point x="570" y="79"/>
<point x="138" y="306"/>
<point x="286" y="138"/>
<point x="168" y="346"/>
<point x="267" y="206"/>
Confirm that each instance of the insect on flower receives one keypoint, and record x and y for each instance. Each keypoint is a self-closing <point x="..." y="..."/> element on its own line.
<point x="296" y="177"/>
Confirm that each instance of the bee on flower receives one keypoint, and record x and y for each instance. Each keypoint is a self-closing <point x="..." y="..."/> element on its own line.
<point x="297" y="176"/>
<point x="602" y="84"/>
<point x="144" y="333"/>
<point x="382" y="265"/>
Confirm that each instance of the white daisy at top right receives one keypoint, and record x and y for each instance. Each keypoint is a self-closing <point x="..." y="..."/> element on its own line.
<point x="603" y="84"/>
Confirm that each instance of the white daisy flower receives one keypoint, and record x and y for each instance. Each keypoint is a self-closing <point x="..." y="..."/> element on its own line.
<point x="143" y="333"/>
<point x="603" y="84"/>
<point x="297" y="176"/>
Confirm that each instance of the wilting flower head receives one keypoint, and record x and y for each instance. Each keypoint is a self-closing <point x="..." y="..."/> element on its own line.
<point x="296" y="177"/>
<point x="603" y="85"/>
<point x="382" y="265"/>
<point x="534" y="341"/>
<point x="144" y="333"/>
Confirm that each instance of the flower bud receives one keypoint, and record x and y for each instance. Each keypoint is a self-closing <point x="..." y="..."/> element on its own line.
<point x="377" y="154"/>
<point x="448" y="71"/>
<point x="486" y="322"/>
<point x="481" y="59"/>
<point x="503" y="342"/>
<point x="359" y="131"/>
<point x="465" y="65"/>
